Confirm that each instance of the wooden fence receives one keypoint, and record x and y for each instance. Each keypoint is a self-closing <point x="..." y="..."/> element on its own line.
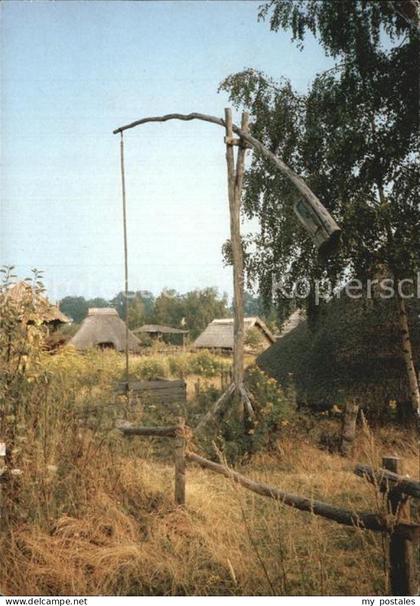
<point x="159" y="391"/>
<point x="402" y="533"/>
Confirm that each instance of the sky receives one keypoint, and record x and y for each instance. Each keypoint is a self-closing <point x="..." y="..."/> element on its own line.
<point x="71" y="72"/>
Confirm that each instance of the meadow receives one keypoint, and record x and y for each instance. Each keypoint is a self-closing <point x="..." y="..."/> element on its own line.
<point x="89" y="512"/>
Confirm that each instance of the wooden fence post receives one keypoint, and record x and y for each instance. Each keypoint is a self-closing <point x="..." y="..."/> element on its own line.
<point x="197" y="388"/>
<point x="401" y="561"/>
<point x="180" y="444"/>
<point x="348" y="432"/>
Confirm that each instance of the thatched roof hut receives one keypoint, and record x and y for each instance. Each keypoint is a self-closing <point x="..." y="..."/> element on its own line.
<point x="352" y="351"/>
<point x="104" y="328"/>
<point x="33" y="306"/>
<point x="219" y="334"/>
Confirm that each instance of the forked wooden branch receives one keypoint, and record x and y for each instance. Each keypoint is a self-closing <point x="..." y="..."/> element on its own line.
<point x="217" y="410"/>
<point x="359" y="519"/>
<point x="257" y="145"/>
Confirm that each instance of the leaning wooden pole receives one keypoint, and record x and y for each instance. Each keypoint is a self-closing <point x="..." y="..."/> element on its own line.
<point x="259" y="147"/>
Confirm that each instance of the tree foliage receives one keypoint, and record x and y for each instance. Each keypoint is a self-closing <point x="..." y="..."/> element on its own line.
<point x="352" y="136"/>
<point x="192" y="310"/>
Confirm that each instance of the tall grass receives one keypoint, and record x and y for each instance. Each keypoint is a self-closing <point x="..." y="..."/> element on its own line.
<point x="90" y="513"/>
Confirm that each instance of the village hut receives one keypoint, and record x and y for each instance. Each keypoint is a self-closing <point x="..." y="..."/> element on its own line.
<point x="219" y="335"/>
<point x="103" y="328"/>
<point x="32" y="306"/>
<point x="352" y="351"/>
<point x="160" y="332"/>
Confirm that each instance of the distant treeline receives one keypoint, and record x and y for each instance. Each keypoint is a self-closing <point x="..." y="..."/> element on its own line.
<point x="192" y="310"/>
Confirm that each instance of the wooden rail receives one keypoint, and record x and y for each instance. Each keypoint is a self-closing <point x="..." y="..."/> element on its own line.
<point x="359" y="519"/>
<point x="385" y="480"/>
<point x="159" y="432"/>
<point x="178" y="432"/>
<point x="401" y="531"/>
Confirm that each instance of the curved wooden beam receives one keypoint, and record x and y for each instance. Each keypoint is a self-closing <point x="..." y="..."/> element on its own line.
<point x="297" y="181"/>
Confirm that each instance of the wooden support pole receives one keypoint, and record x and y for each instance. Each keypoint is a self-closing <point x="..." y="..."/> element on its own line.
<point x="180" y="446"/>
<point x="237" y="256"/>
<point x="401" y="561"/>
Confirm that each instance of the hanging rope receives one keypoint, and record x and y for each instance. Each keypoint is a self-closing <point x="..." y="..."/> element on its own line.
<point x="125" y="262"/>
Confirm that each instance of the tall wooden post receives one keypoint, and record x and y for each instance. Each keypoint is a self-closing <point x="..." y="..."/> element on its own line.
<point x="235" y="180"/>
<point x="180" y="446"/>
<point x="401" y="561"/>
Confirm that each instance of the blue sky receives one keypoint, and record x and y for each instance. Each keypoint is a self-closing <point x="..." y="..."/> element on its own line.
<point x="71" y="73"/>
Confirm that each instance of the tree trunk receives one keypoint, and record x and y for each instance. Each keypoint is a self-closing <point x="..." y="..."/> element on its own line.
<point x="348" y="433"/>
<point x="408" y="356"/>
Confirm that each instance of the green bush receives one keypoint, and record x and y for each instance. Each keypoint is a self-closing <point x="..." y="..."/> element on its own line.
<point x="151" y="368"/>
<point x="273" y="409"/>
<point x="180" y="365"/>
<point x="208" y="365"/>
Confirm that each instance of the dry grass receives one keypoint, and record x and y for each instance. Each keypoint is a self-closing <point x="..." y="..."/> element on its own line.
<point x="105" y="522"/>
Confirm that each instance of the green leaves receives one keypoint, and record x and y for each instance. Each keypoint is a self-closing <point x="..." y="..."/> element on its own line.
<point x="353" y="137"/>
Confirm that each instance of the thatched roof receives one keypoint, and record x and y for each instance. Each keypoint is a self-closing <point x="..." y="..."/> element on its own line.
<point x="101" y="328"/>
<point x="34" y="305"/>
<point x="219" y="333"/>
<point x="352" y="350"/>
<point x="154" y="329"/>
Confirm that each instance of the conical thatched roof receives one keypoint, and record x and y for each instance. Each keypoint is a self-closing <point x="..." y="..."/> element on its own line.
<point x="33" y="305"/>
<point x="104" y="328"/>
<point x="353" y="350"/>
<point x="219" y="333"/>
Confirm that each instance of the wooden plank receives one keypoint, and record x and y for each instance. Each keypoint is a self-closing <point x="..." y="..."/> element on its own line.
<point x="362" y="520"/>
<point x="152" y="385"/>
<point x="160" y="432"/>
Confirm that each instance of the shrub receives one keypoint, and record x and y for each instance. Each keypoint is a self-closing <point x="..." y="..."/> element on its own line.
<point x="207" y="364"/>
<point x="180" y="365"/>
<point x="273" y="408"/>
<point x="151" y="368"/>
